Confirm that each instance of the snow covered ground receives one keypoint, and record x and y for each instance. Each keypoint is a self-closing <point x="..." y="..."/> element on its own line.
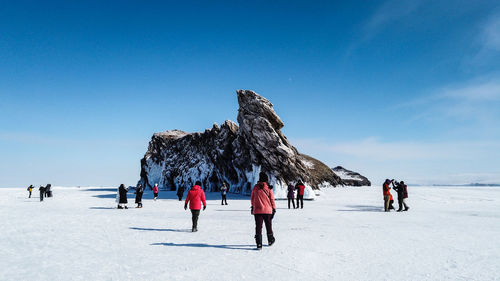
<point x="449" y="234"/>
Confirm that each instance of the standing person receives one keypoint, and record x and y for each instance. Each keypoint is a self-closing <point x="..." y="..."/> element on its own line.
<point x="387" y="194"/>
<point x="263" y="208"/>
<point x="223" y="192"/>
<point x="195" y="197"/>
<point x="398" y="187"/>
<point x="405" y="195"/>
<point x="291" y="195"/>
<point x="300" y="193"/>
<point x="138" y="195"/>
<point x="180" y="192"/>
<point x="122" y="197"/>
<point x="155" y="191"/>
<point x="48" y="191"/>
<point x="42" y="192"/>
<point x="30" y="189"/>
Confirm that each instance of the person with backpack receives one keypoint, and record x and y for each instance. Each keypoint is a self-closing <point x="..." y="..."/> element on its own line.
<point x="402" y="191"/>
<point x="263" y="208"/>
<point x="223" y="192"/>
<point x="122" y="197"/>
<point x="48" y="191"/>
<point x="291" y="195"/>
<point x="30" y="189"/>
<point x="42" y="192"/>
<point x="180" y="192"/>
<point x="300" y="193"/>
<point x="139" y="191"/>
<point x="387" y="194"/>
<point x="195" y="197"/>
<point x="155" y="191"/>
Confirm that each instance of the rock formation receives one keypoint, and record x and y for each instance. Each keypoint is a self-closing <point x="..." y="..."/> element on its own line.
<point x="234" y="154"/>
<point x="351" y="178"/>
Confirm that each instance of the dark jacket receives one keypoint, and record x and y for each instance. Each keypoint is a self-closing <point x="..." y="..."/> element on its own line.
<point x="138" y="194"/>
<point x="180" y="191"/>
<point x="291" y="188"/>
<point x="123" y="194"/>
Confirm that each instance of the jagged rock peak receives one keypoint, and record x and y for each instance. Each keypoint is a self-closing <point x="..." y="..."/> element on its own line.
<point x="234" y="154"/>
<point x="351" y="178"/>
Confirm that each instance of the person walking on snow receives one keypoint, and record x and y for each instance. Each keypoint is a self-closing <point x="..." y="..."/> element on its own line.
<point x="42" y="192"/>
<point x="223" y="192"/>
<point x="291" y="195"/>
<point x="195" y="197"/>
<point x="387" y="194"/>
<point x="30" y="189"/>
<point x="180" y="192"/>
<point x="155" y="191"/>
<point x="402" y="191"/>
<point x="263" y="208"/>
<point x="138" y="195"/>
<point x="122" y="197"/>
<point x="300" y="194"/>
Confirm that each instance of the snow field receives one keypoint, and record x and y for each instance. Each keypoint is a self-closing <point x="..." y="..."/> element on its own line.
<point x="448" y="234"/>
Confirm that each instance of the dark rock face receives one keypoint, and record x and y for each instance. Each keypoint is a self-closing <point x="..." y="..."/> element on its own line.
<point x="351" y="178"/>
<point x="234" y="154"/>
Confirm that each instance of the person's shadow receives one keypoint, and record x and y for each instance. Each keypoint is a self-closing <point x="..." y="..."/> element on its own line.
<point x="161" y="229"/>
<point x="203" y="245"/>
<point x="362" y="208"/>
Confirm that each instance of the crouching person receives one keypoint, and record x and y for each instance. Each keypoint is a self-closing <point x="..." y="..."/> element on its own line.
<point x="263" y="209"/>
<point x="195" y="197"/>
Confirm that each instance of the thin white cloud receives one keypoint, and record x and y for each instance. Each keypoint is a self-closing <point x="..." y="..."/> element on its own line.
<point x="490" y="36"/>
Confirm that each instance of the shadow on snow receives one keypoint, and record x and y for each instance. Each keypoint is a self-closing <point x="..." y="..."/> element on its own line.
<point x="161" y="229"/>
<point x="362" y="208"/>
<point x="203" y="245"/>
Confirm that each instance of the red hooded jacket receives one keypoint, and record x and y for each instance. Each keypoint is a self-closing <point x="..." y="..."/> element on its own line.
<point x="386" y="189"/>
<point x="262" y="199"/>
<point x="301" y="189"/>
<point x="195" y="196"/>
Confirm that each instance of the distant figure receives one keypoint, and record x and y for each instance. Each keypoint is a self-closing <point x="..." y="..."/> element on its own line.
<point x="138" y="195"/>
<point x="155" y="191"/>
<point x="195" y="197"/>
<point x="180" y="192"/>
<point x="300" y="194"/>
<point x="223" y="192"/>
<point x="387" y="194"/>
<point x="42" y="192"/>
<point x="402" y="191"/>
<point x="48" y="191"/>
<point x="263" y="208"/>
<point x="30" y="189"/>
<point x="122" y="197"/>
<point x="291" y="195"/>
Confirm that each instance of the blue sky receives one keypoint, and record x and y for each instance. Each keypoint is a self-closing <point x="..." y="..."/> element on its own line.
<point x="399" y="89"/>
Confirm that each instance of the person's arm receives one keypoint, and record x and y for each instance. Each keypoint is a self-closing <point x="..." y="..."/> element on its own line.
<point x="271" y="197"/>
<point x="203" y="200"/>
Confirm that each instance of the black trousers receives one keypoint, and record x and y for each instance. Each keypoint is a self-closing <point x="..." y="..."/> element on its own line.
<point x="180" y="197"/>
<point x="224" y="199"/>
<point x="30" y="194"/>
<point x="301" y="198"/>
<point x="41" y="195"/>
<point x="263" y="218"/>
<point x="195" y="214"/>
<point x="293" y="202"/>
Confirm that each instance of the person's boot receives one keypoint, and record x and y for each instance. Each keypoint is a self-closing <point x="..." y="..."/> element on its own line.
<point x="120" y="207"/>
<point x="270" y="239"/>
<point x="126" y="207"/>
<point x="407" y="208"/>
<point x="258" y="241"/>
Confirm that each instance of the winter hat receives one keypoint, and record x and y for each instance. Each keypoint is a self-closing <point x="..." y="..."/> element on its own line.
<point x="263" y="177"/>
<point x="197" y="183"/>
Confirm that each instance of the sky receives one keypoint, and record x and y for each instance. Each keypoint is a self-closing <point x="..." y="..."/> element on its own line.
<point x="404" y="89"/>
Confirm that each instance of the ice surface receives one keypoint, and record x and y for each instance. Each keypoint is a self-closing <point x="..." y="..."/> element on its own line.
<point x="448" y="234"/>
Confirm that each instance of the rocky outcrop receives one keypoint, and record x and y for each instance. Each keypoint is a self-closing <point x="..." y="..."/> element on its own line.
<point x="234" y="154"/>
<point x="351" y="178"/>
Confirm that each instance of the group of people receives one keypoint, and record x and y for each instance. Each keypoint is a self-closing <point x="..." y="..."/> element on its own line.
<point x="300" y="187"/>
<point x="402" y="191"/>
<point x="45" y="191"/>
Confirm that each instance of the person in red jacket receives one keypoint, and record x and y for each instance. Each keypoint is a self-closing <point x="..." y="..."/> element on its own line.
<point x="263" y="208"/>
<point x="387" y="194"/>
<point x="195" y="197"/>
<point x="300" y="194"/>
<point x="155" y="191"/>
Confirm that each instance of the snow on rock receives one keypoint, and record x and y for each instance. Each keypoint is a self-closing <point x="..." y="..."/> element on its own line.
<point x="234" y="154"/>
<point x="351" y="178"/>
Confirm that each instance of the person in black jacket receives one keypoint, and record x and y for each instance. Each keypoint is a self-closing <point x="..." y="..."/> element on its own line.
<point x="42" y="192"/>
<point x="400" y="188"/>
<point x="138" y="195"/>
<point x="180" y="192"/>
<point x="122" y="197"/>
